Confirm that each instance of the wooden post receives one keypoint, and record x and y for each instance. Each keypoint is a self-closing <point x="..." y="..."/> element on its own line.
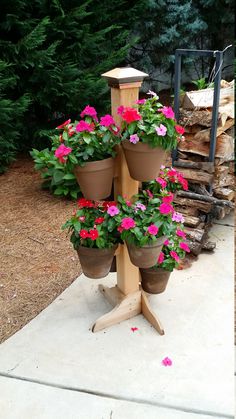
<point x="127" y="297"/>
<point x="125" y="84"/>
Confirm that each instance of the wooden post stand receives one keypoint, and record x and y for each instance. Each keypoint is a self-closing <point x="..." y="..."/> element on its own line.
<point x="127" y="296"/>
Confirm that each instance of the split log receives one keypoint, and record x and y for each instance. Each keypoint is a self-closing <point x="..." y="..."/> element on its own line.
<point x="191" y="211"/>
<point x="211" y="199"/>
<point x="191" y="221"/>
<point x="197" y="176"/>
<point x="196" y="234"/>
<point x="206" y="166"/>
<point x="193" y="129"/>
<point x="220" y="212"/>
<point x="227" y="111"/>
<point x="204" y="98"/>
<point x="199" y="189"/>
<point x="197" y="118"/>
<point x="226" y="180"/>
<point x="195" y="247"/>
<point x="209" y="246"/>
<point x="224" y="193"/>
<point x="205" y="134"/>
<point x="202" y="206"/>
<point x="224" y="147"/>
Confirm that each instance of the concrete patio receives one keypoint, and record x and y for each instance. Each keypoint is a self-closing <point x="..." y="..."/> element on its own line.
<point x="55" y="367"/>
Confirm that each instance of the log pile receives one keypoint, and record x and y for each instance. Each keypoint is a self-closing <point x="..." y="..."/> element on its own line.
<point x="211" y="185"/>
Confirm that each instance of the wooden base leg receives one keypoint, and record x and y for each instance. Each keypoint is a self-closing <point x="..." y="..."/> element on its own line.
<point x="149" y="314"/>
<point x="126" y="307"/>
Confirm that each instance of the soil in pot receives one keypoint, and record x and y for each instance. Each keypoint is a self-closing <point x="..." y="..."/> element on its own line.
<point x="143" y="162"/>
<point x="95" y="178"/>
<point x="96" y="263"/>
<point x="146" y="256"/>
<point x="154" y="281"/>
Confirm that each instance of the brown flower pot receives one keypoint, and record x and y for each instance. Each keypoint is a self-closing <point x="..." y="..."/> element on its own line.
<point x="143" y="162"/>
<point x="154" y="281"/>
<point x="95" y="178"/>
<point x="146" y="256"/>
<point x="96" y="263"/>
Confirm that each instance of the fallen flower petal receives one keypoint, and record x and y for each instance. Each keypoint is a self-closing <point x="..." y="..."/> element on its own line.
<point x="166" y="362"/>
<point x="134" y="329"/>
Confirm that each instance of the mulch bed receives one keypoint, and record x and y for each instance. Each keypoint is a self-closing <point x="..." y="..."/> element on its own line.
<point x="37" y="260"/>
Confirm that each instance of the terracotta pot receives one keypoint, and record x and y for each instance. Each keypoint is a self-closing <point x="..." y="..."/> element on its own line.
<point x="113" y="265"/>
<point x="96" y="263"/>
<point x="95" y="178"/>
<point x="154" y="281"/>
<point x="146" y="256"/>
<point x="143" y="161"/>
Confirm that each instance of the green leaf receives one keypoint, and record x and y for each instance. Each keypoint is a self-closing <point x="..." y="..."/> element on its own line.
<point x="58" y="176"/>
<point x="131" y="127"/>
<point x="87" y="138"/>
<point x="69" y="176"/>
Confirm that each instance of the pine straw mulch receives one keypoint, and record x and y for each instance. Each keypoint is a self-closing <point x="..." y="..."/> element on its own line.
<point x="37" y="261"/>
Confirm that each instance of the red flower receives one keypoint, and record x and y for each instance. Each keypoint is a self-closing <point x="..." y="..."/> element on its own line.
<point x="107" y="204"/>
<point x="84" y="234"/>
<point x="99" y="220"/>
<point x="64" y="124"/>
<point x="130" y="115"/>
<point x="85" y="203"/>
<point x="179" y="129"/>
<point x="93" y="234"/>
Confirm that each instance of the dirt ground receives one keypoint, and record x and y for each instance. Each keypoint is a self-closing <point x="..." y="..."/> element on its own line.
<point x="37" y="261"/>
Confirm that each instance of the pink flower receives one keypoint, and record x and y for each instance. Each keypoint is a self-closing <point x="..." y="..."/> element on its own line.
<point x="61" y="152"/>
<point x="82" y="218"/>
<point x="107" y="120"/>
<point x="166" y="242"/>
<point x="161" y="130"/>
<point x="134" y="329"/>
<point x="151" y="93"/>
<point x="128" y="203"/>
<point x="184" y="247"/>
<point x="177" y="217"/>
<point x="113" y="210"/>
<point x="140" y="206"/>
<point x="174" y="255"/>
<point x="167" y="111"/>
<point x="120" y="229"/>
<point x="165" y="208"/>
<point x="161" y="182"/>
<point x="140" y="101"/>
<point x="64" y="124"/>
<point x="168" y="199"/>
<point x="152" y="229"/>
<point x="179" y="129"/>
<point x="150" y="194"/>
<point x="127" y="223"/>
<point x="90" y="111"/>
<point x="166" y="362"/>
<point x="180" y="233"/>
<point x="120" y="110"/>
<point x="84" y="126"/>
<point x="134" y="139"/>
<point x="161" y="258"/>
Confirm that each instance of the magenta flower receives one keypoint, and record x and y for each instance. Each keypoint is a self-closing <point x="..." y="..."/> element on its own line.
<point x="174" y="255"/>
<point x="168" y="199"/>
<point x="84" y="126"/>
<point x="177" y="217"/>
<point x="152" y="229"/>
<point x="181" y="233"/>
<point x="149" y="193"/>
<point x="107" y="120"/>
<point x="140" y="101"/>
<point x="166" y="242"/>
<point x="161" y="258"/>
<point x="64" y="124"/>
<point x="166" y="362"/>
<point x="161" y="182"/>
<point x="127" y="223"/>
<point x="113" y="210"/>
<point x="120" y="110"/>
<point x="61" y="152"/>
<point x="140" y="206"/>
<point x="167" y="111"/>
<point x="161" y="130"/>
<point x="134" y="139"/>
<point x="165" y="208"/>
<point x="184" y="247"/>
<point x="90" y="111"/>
<point x="128" y="203"/>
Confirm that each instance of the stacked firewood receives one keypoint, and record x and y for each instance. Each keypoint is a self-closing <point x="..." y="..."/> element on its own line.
<point x="211" y="185"/>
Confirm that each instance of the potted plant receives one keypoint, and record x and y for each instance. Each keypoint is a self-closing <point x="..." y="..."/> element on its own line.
<point x="143" y="225"/>
<point x="155" y="279"/>
<point x="148" y="131"/>
<point x="88" y="148"/>
<point x="94" y="236"/>
<point x="169" y="179"/>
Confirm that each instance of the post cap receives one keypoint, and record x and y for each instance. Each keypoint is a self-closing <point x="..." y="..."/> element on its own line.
<point x="122" y="75"/>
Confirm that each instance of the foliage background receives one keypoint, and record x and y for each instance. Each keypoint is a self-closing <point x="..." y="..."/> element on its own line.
<point x="52" y="54"/>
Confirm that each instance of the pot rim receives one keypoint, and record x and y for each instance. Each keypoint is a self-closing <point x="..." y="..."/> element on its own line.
<point x="96" y="165"/>
<point x="140" y="147"/>
<point x="97" y="250"/>
<point x="158" y="242"/>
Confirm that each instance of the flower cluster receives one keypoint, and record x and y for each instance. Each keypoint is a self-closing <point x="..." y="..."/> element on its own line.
<point x="88" y="139"/>
<point x="169" y="179"/>
<point x="173" y="250"/>
<point x="150" y="122"/>
<point x="90" y="225"/>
